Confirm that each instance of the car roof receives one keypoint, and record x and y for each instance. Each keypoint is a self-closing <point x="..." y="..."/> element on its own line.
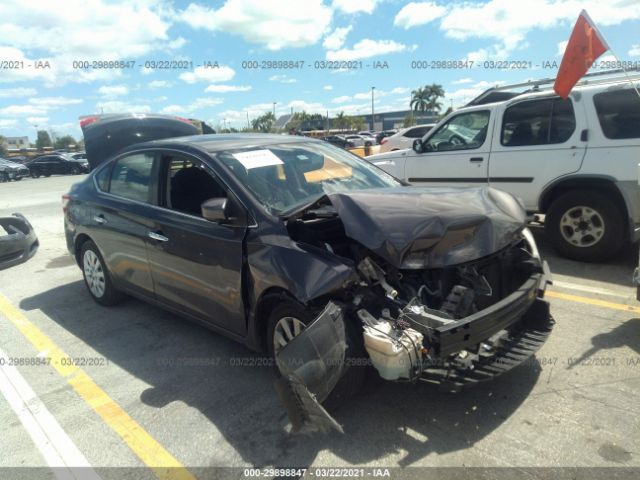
<point x="227" y="141"/>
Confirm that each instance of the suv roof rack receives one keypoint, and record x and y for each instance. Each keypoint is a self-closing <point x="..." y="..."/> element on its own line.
<point x="505" y="92"/>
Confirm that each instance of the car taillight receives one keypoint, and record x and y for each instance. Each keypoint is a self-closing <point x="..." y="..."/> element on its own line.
<point x="185" y="120"/>
<point x="65" y="201"/>
<point x="84" y="121"/>
<point x="384" y="140"/>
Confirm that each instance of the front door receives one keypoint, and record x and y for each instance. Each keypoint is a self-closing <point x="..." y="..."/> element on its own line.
<point x="196" y="264"/>
<point x="455" y="154"/>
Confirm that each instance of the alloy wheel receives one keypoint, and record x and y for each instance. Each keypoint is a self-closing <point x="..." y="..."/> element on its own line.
<point x="582" y="226"/>
<point x="286" y="329"/>
<point x="94" y="273"/>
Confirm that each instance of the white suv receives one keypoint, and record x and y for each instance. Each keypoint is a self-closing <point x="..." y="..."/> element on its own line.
<point x="575" y="160"/>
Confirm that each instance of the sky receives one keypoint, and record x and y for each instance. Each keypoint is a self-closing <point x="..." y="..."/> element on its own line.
<point x="215" y="48"/>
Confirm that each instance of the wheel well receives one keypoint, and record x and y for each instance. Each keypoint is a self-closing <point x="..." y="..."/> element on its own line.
<point x="594" y="184"/>
<point x="267" y="302"/>
<point x="78" y="246"/>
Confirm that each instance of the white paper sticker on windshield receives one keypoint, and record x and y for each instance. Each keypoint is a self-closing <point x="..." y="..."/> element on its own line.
<point x="257" y="158"/>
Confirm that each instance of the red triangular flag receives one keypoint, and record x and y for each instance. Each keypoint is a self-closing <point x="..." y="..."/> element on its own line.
<point x="585" y="45"/>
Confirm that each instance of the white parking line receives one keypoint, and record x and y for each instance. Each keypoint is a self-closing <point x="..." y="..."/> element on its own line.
<point x="588" y="289"/>
<point x="58" y="450"/>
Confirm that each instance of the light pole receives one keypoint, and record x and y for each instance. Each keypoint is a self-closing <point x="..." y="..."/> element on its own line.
<point x="372" y="112"/>
<point x="274" y="109"/>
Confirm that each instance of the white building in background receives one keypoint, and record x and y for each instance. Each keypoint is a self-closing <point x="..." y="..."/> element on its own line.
<point x="16" y="143"/>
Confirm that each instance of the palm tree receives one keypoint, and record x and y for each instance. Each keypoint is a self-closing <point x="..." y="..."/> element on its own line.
<point x="426" y="98"/>
<point x="419" y="99"/>
<point x="341" y="121"/>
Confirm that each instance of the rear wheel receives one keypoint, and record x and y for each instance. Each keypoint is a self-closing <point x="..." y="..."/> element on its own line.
<point x="287" y="320"/>
<point x="4" y="177"/>
<point x="75" y="171"/>
<point x="96" y="276"/>
<point x="585" y="225"/>
<point x="47" y="174"/>
<point x="35" y="175"/>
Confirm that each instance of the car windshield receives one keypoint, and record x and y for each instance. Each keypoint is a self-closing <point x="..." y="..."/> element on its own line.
<point x="284" y="177"/>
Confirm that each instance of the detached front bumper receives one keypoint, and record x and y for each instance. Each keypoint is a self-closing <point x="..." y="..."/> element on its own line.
<point x="18" y="241"/>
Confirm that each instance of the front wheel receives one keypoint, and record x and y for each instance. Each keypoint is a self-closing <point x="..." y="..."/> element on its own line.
<point x="4" y="177"/>
<point x="96" y="276"/>
<point x="585" y="225"/>
<point x="287" y="320"/>
<point x="35" y="175"/>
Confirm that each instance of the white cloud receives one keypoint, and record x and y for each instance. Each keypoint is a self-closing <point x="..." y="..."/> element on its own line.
<point x="227" y="88"/>
<point x="210" y="75"/>
<point x="282" y="79"/>
<point x="22" y="110"/>
<point x="276" y="24"/>
<point x="47" y="102"/>
<point x="341" y="99"/>
<point x="462" y="81"/>
<point x="84" y="30"/>
<point x="418" y="13"/>
<point x="400" y="90"/>
<point x="119" y="106"/>
<point x="111" y="91"/>
<point x="634" y="51"/>
<point x="355" y="6"/>
<point x="159" y="84"/>
<point x="328" y="87"/>
<point x="367" y="48"/>
<point x="7" y="122"/>
<point x="37" y="120"/>
<point x="464" y="95"/>
<point x="17" y="92"/>
<point x="562" y="46"/>
<point x="197" y="104"/>
<point x="336" y="39"/>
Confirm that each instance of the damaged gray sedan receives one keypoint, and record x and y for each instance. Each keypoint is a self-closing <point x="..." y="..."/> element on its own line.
<point x="301" y="249"/>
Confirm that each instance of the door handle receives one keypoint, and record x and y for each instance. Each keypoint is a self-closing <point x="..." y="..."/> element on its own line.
<point x="99" y="219"/>
<point x="476" y="159"/>
<point x="157" y="236"/>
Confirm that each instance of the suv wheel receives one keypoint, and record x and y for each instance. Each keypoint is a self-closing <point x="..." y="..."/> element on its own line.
<point x="35" y="174"/>
<point x="75" y="171"/>
<point x="585" y="225"/>
<point x="96" y="276"/>
<point x="287" y="320"/>
<point x="4" y="177"/>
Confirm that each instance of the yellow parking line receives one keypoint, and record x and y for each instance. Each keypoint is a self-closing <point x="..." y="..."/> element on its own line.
<point x="152" y="454"/>
<point x="592" y="301"/>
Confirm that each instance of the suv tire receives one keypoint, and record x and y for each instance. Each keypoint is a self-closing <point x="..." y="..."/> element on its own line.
<point x="585" y="225"/>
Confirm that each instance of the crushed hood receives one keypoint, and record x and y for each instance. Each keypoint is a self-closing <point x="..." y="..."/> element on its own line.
<point x="414" y="227"/>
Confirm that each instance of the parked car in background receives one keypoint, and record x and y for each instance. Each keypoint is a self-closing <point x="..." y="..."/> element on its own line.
<point x="57" y="164"/>
<point x="79" y="155"/>
<point x="384" y="134"/>
<point x="12" y="171"/>
<point x="574" y="160"/>
<point x="339" y="141"/>
<point x="235" y="231"/>
<point x="21" y="159"/>
<point x="404" y="138"/>
<point x="359" y="140"/>
<point x="368" y="136"/>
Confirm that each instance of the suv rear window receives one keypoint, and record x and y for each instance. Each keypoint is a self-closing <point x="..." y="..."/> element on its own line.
<point x="618" y="113"/>
<point x="538" y="122"/>
<point x="131" y="177"/>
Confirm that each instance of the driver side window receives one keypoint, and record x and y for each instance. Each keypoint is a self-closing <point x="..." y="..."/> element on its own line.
<point x="466" y="131"/>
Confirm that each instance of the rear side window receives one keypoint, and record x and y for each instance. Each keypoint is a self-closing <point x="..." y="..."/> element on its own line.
<point x="131" y="177"/>
<point x="538" y="122"/>
<point x="418" y="132"/>
<point x="618" y="113"/>
<point x="102" y="178"/>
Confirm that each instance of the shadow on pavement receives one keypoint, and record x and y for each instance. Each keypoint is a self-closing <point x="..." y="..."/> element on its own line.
<point x="625" y="334"/>
<point x="618" y="269"/>
<point x="223" y="380"/>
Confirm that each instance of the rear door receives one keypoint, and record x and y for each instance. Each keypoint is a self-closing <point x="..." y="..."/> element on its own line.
<point x="120" y="221"/>
<point x="535" y="142"/>
<point x="456" y="153"/>
<point x="196" y="264"/>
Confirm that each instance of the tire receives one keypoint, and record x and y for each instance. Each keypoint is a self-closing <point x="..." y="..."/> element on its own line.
<point x="585" y="225"/>
<point x="35" y="175"/>
<point x="47" y="174"/>
<point x="352" y="379"/>
<point x="3" y="177"/>
<point x="96" y="276"/>
<point x="17" y="179"/>
<point x="75" y="171"/>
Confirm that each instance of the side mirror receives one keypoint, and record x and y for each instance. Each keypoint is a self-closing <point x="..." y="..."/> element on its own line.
<point x="417" y="145"/>
<point x="215" y="209"/>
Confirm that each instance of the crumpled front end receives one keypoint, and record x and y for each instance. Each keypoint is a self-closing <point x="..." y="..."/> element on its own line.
<point x="451" y="324"/>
